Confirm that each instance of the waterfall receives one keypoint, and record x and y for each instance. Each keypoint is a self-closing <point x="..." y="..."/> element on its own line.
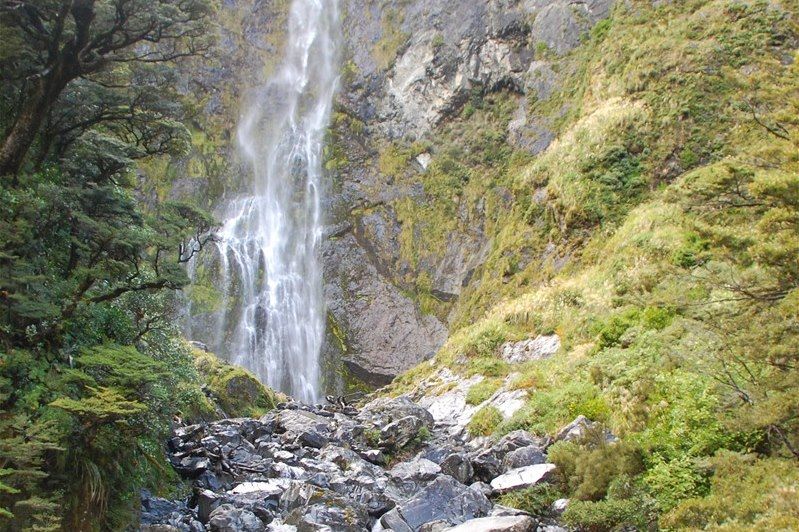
<point x="266" y="264"/>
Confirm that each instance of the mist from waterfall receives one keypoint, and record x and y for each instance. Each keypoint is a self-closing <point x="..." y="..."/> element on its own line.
<point x="266" y="262"/>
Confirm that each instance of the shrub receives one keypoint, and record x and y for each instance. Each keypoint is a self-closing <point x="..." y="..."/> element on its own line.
<point x="747" y="493"/>
<point x="604" y="515"/>
<point x="587" y="472"/>
<point x="671" y="482"/>
<point x="482" y="391"/>
<point x="484" y="340"/>
<point x="484" y="421"/>
<point x="487" y="366"/>
<point x="548" y="410"/>
<point x="372" y="437"/>
<point x="536" y="500"/>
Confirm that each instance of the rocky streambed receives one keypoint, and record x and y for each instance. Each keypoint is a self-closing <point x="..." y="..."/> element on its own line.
<point x="385" y="466"/>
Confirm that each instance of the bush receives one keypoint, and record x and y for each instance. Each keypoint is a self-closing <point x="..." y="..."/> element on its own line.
<point x="588" y="471"/>
<point x="671" y="482"/>
<point x="536" y="500"/>
<point x="547" y="411"/>
<point x="484" y="421"/>
<point x="483" y="341"/>
<point x="482" y="391"/>
<point x="487" y="366"/>
<point x="606" y="515"/>
<point x="747" y="493"/>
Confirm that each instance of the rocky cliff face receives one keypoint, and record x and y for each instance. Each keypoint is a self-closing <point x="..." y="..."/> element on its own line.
<point x="434" y="105"/>
<point x="406" y="239"/>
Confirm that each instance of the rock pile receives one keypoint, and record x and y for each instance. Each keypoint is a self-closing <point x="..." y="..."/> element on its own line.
<point x="386" y="466"/>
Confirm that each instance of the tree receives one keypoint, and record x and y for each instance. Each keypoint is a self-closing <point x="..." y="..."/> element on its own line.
<point x="62" y="41"/>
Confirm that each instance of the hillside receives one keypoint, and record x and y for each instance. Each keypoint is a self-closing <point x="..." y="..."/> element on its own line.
<point x="532" y="211"/>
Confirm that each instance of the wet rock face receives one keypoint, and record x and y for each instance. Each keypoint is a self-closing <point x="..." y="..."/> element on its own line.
<point x="386" y="334"/>
<point x="447" y="52"/>
<point x="321" y="468"/>
<point x="411" y="67"/>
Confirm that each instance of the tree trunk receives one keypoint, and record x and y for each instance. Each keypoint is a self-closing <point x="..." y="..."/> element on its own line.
<point x="29" y="121"/>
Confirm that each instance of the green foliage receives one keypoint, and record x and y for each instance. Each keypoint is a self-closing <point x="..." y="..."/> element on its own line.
<point x="536" y="500"/>
<point x="549" y="410"/>
<point x="600" y="516"/>
<point x="422" y="436"/>
<point x="587" y="470"/>
<point x="391" y="40"/>
<point x="484" y="421"/>
<point x="91" y="368"/>
<point x="482" y="391"/>
<point x="746" y="493"/>
<point x="612" y="331"/>
<point x="372" y="437"/>
<point x="674" y="481"/>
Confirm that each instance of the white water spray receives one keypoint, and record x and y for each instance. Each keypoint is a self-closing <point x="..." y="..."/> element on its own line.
<point x="266" y="263"/>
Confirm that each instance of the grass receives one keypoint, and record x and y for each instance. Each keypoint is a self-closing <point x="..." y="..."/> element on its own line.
<point x="484" y="421"/>
<point x="482" y="391"/>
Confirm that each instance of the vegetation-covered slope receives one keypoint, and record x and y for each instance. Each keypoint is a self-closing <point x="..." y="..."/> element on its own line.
<point x="672" y="194"/>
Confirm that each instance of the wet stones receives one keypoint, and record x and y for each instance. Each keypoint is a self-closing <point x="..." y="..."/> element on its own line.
<point x="296" y="469"/>
<point x="523" y="477"/>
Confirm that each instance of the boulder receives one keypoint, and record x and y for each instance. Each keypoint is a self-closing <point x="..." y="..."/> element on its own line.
<point x="322" y="509"/>
<point x="459" y="467"/>
<point x="516" y="440"/>
<point x="192" y="466"/>
<point x="524" y="456"/>
<point x="420" y="469"/>
<point x="272" y="487"/>
<point x="579" y="428"/>
<point x="400" y="433"/>
<point x="481" y="487"/>
<point x="508" y="402"/>
<point x="161" y="515"/>
<point x="385" y="410"/>
<point x="299" y="426"/>
<point x="487" y="464"/>
<point x="559" y="506"/>
<point x="538" y="348"/>
<point x="519" y="523"/>
<point x="374" y="456"/>
<point x="523" y="477"/>
<point x="228" y="518"/>
<point x="443" y="499"/>
<point x="398" y="419"/>
<point x="393" y="521"/>
<point x="207" y="502"/>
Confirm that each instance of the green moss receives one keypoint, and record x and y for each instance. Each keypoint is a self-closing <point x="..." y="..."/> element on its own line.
<point x="372" y="437"/>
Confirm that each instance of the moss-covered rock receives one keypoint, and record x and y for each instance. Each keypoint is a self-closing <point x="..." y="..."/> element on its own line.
<point x="237" y="392"/>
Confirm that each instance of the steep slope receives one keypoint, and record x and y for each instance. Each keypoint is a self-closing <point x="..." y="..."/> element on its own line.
<point x="437" y="107"/>
<point x="656" y="237"/>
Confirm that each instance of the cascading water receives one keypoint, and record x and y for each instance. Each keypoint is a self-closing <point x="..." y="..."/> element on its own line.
<point x="265" y="265"/>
